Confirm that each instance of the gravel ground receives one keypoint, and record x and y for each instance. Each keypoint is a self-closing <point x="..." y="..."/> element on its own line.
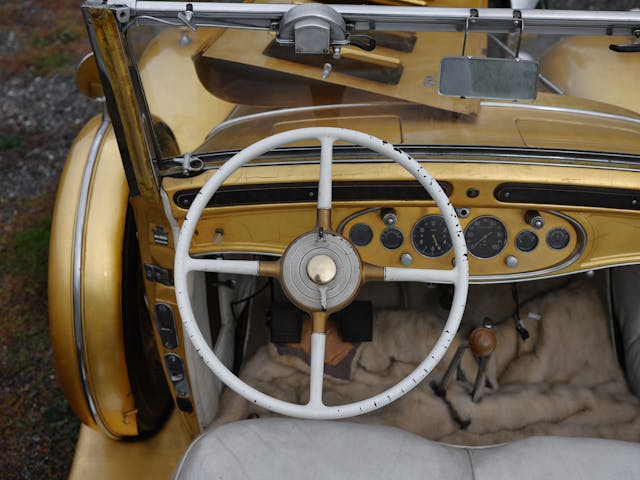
<point x="39" y="118"/>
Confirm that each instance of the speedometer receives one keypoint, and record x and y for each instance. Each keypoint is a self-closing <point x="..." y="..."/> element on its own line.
<point x="430" y="236"/>
<point x="486" y="237"/>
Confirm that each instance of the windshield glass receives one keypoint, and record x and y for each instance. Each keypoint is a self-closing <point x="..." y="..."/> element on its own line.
<point x="222" y="89"/>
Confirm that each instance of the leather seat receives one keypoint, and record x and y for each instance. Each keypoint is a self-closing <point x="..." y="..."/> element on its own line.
<point x="305" y="449"/>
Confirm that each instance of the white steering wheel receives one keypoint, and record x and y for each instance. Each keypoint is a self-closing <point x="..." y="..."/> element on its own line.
<point x="321" y="272"/>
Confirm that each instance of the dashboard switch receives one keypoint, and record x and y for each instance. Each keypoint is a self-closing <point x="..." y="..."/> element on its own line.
<point x="511" y="261"/>
<point x="406" y="259"/>
<point x="389" y="216"/>
<point x="533" y="218"/>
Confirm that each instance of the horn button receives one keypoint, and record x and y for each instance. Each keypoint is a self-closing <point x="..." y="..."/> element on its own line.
<point x="321" y="269"/>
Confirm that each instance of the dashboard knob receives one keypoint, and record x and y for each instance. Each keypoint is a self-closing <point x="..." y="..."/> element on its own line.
<point x="533" y="218"/>
<point x="389" y="216"/>
<point x="406" y="259"/>
<point x="511" y="261"/>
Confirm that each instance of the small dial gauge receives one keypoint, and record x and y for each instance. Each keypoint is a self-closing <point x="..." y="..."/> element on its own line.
<point x="361" y="234"/>
<point x="558" y="238"/>
<point x="526" y="241"/>
<point x="391" y="238"/>
<point x="430" y="236"/>
<point x="486" y="237"/>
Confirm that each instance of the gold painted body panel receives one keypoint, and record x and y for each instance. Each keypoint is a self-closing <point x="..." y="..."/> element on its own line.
<point x="101" y="274"/>
<point x="102" y="292"/>
<point x="585" y="67"/>
<point x="100" y="458"/>
<point x="60" y="272"/>
<point x="552" y="121"/>
<point x="149" y="215"/>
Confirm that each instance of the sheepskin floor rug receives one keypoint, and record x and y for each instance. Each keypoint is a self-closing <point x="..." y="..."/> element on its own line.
<point x="564" y="380"/>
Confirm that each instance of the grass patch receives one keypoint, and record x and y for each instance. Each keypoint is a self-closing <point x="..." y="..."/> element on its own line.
<point x="38" y="419"/>
<point x="11" y="142"/>
<point x="55" y="63"/>
<point x="28" y="251"/>
<point x="45" y="48"/>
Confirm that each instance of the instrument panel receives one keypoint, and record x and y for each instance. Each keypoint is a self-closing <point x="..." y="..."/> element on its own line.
<point x="560" y="221"/>
<point x="503" y="241"/>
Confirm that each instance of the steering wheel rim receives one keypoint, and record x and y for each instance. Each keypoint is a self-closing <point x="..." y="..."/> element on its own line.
<point x="315" y="409"/>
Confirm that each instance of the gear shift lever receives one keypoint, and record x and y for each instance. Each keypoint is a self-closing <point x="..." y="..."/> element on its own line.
<point x="482" y="343"/>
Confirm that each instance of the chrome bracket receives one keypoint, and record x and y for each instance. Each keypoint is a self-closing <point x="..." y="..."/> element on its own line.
<point x="186" y="17"/>
<point x="190" y="163"/>
<point x="123" y="14"/>
<point x="485" y="24"/>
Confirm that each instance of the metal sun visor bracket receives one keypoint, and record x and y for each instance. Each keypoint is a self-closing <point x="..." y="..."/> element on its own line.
<point x="313" y="28"/>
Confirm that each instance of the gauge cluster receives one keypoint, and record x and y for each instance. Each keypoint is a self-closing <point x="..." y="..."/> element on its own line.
<point x="505" y="241"/>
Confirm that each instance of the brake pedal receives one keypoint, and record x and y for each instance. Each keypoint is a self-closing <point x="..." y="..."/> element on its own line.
<point x="285" y="324"/>
<point x="356" y="322"/>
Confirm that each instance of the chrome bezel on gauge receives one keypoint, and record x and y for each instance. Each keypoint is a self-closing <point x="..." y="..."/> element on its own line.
<point x="445" y="230"/>
<point x="505" y="242"/>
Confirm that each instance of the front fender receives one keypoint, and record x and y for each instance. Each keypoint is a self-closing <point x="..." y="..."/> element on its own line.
<point x="85" y="283"/>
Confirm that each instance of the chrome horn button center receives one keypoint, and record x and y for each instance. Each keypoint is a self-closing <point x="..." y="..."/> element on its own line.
<point x="321" y="269"/>
<point x="312" y="263"/>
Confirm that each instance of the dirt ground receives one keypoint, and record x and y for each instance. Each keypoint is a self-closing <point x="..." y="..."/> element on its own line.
<point x="40" y="114"/>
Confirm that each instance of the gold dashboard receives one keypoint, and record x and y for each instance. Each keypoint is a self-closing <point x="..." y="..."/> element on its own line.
<point x="507" y="239"/>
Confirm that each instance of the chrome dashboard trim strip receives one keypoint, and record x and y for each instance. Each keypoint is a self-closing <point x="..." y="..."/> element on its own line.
<point x="440" y="160"/>
<point x="78" y="251"/>
<point x="573" y="111"/>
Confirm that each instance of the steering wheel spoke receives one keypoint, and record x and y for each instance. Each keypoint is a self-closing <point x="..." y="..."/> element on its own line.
<point x="372" y="273"/>
<point x="395" y="274"/>
<point x="239" y="267"/>
<point x="270" y="269"/>
<point x="324" y="184"/>
<point x="316" y="379"/>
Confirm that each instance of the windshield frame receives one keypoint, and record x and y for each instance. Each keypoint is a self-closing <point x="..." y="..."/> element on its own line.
<point x="128" y="110"/>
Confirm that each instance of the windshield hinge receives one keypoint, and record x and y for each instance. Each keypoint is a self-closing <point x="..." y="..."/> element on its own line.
<point x="189" y="163"/>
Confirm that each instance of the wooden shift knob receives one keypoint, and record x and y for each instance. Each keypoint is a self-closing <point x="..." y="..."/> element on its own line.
<point x="482" y="342"/>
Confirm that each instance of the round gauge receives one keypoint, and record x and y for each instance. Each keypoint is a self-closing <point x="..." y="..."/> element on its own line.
<point x="526" y="241"/>
<point x="361" y="234"/>
<point x="486" y="237"/>
<point x="430" y="236"/>
<point x="391" y="238"/>
<point x="558" y="238"/>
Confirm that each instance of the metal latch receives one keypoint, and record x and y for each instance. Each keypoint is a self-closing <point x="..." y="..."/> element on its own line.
<point x="157" y="274"/>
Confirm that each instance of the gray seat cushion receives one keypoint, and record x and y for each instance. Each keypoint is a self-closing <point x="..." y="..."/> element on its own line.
<point x="293" y="449"/>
